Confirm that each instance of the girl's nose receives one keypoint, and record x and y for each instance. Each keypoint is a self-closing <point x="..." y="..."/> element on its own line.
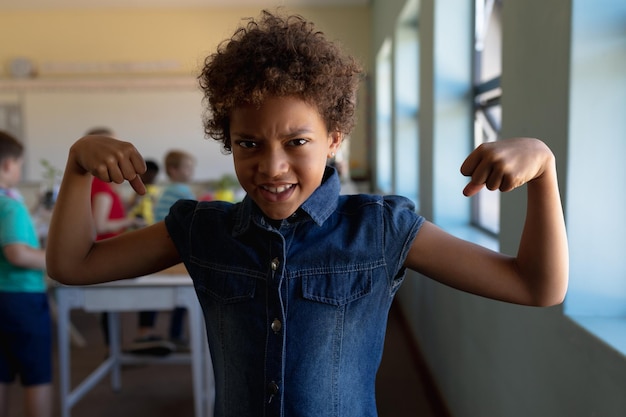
<point x="274" y="162"/>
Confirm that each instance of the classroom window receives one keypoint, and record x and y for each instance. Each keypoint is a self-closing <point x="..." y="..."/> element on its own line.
<point x="384" y="134"/>
<point x="596" y="201"/>
<point x="485" y="209"/>
<point x="406" y="101"/>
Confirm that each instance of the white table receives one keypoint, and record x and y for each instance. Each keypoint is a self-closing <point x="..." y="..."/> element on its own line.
<point x="161" y="291"/>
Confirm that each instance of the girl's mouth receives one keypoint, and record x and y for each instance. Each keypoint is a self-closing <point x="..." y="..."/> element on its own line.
<point x="279" y="189"/>
<point x="278" y="193"/>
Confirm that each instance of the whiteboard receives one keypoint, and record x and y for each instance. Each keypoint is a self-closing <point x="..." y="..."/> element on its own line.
<point x="155" y="121"/>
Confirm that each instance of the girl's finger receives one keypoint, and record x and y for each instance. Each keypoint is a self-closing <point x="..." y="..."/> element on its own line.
<point x="471" y="189"/>
<point x="138" y="185"/>
<point x="471" y="162"/>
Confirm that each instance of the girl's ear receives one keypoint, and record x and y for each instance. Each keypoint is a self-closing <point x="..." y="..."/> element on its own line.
<point x="335" y="142"/>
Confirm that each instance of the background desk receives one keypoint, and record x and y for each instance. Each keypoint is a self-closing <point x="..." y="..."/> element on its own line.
<point x="161" y="291"/>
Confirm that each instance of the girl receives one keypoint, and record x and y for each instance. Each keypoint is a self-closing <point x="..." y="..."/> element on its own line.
<point x="296" y="280"/>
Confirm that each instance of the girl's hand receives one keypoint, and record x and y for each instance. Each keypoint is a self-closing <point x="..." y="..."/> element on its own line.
<point x="109" y="159"/>
<point x="505" y="164"/>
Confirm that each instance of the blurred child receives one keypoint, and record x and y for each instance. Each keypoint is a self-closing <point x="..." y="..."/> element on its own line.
<point x="142" y="206"/>
<point x="25" y="327"/>
<point x="179" y="167"/>
<point x="107" y="205"/>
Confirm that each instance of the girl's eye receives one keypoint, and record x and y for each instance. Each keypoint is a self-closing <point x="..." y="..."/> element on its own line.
<point x="298" y="142"/>
<point x="247" y="144"/>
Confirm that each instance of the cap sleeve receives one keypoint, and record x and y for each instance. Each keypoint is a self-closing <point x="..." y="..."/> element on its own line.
<point x="401" y="223"/>
<point x="178" y="223"/>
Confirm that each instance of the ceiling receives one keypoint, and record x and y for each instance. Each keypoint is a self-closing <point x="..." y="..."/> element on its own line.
<point x="98" y="4"/>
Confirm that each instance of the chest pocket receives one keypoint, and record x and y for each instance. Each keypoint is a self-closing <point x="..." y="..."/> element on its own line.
<point x="337" y="288"/>
<point x="226" y="286"/>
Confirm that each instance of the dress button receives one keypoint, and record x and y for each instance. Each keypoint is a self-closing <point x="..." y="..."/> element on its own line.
<point x="274" y="264"/>
<point x="276" y="325"/>
<point x="272" y="388"/>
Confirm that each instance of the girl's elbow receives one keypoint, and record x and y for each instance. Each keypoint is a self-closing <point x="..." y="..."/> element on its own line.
<point x="57" y="275"/>
<point x="61" y="274"/>
<point x="65" y="279"/>
<point x="551" y="297"/>
<point x="549" y="301"/>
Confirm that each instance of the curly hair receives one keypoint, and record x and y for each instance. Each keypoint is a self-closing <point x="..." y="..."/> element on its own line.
<point x="275" y="57"/>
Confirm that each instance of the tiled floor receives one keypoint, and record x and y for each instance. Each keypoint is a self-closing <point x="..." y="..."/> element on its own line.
<point x="166" y="390"/>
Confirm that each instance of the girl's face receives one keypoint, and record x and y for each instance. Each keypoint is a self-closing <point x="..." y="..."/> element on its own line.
<point x="280" y="151"/>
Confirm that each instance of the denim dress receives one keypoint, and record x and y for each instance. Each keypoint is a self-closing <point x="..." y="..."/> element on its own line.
<point x="296" y="310"/>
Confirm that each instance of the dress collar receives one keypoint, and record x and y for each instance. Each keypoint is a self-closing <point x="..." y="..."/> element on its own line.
<point x="318" y="207"/>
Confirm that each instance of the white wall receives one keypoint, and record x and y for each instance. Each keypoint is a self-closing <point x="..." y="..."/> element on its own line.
<point x="154" y="119"/>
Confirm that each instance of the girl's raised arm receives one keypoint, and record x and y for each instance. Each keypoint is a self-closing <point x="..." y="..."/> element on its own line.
<point x="538" y="274"/>
<point x="73" y="256"/>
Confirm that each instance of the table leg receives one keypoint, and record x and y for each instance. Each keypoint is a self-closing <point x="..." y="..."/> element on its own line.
<point x="113" y="321"/>
<point x="197" y="363"/>
<point x="64" y="353"/>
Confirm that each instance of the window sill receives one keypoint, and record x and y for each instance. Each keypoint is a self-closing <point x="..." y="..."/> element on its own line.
<point x="610" y="330"/>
